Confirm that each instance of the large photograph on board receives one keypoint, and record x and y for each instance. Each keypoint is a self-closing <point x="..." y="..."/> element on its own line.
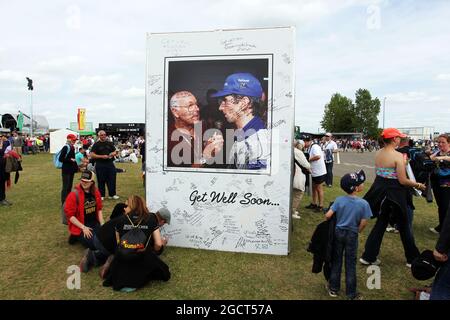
<point x="218" y="114"/>
<point x="219" y="127"/>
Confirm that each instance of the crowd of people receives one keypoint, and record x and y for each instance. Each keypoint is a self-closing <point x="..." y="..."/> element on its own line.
<point x="389" y="200"/>
<point x="127" y="247"/>
<point x="24" y="144"/>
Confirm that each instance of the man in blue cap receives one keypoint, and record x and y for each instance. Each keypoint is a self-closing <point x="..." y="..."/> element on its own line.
<point x="239" y="99"/>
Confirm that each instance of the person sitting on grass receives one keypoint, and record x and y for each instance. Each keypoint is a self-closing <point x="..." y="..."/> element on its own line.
<point x="84" y="216"/>
<point x="135" y="263"/>
<point x="352" y="214"/>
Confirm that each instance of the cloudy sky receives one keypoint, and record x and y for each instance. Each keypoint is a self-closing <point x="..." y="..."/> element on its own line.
<point x="92" y="54"/>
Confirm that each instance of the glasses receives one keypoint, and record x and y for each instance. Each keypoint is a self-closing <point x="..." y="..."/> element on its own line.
<point x="228" y="101"/>
<point x="190" y="107"/>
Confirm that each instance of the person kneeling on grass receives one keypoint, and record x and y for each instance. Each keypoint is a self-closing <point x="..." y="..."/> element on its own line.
<point x="138" y="242"/>
<point x="352" y="214"/>
<point x="83" y="210"/>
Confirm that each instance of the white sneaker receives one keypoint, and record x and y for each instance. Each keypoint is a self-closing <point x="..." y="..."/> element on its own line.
<point x="367" y="263"/>
<point x="408" y="265"/>
<point x="103" y="198"/>
<point x="115" y="197"/>
<point x="433" y="230"/>
<point x="392" y="230"/>
<point x="296" y="216"/>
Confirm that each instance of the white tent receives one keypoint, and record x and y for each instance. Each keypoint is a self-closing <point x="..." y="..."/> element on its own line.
<point x="58" y="139"/>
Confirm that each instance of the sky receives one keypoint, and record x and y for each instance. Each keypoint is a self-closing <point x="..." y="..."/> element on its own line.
<point x="91" y="54"/>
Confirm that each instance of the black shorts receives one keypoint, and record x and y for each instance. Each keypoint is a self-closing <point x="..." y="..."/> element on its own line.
<point x="319" y="179"/>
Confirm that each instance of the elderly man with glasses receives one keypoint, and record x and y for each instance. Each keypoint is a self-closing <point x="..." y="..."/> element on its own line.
<point x="187" y="147"/>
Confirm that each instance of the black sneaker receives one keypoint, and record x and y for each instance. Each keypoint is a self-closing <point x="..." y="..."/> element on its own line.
<point x="311" y="206"/>
<point x="356" y="297"/>
<point x="318" y="209"/>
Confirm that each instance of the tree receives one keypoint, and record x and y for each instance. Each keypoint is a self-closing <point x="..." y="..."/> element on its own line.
<point x="338" y="114"/>
<point x="366" y="112"/>
<point x="341" y="115"/>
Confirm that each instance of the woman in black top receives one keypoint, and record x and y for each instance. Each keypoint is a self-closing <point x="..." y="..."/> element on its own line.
<point x="69" y="167"/>
<point x="145" y="265"/>
<point x="440" y="180"/>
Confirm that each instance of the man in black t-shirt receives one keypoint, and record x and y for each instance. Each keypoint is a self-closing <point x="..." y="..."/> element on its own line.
<point x="103" y="152"/>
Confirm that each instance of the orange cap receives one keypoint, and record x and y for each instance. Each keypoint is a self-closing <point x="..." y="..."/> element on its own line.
<point x="392" y="133"/>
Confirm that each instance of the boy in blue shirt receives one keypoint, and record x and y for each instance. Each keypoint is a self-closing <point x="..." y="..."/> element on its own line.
<point x="352" y="214"/>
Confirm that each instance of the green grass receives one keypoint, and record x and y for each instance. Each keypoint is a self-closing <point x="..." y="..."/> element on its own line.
<point x="35" y="254"/>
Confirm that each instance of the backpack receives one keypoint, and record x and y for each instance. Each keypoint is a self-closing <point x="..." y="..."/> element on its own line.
<point x="58" y="164"/>
<point x="328" y="156"/>
<point x="63" y="208"/>
<point x="133" y="243"/>
<point x="13" y="164"/>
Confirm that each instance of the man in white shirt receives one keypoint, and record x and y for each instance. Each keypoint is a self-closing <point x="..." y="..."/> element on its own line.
<point x="329" y="148"/>
<point x="318" y="173"/>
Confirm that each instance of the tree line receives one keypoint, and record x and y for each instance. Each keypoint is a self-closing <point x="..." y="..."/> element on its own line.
<point x="343" y="115"/>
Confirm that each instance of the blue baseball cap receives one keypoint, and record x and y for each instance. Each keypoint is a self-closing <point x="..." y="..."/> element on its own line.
<point x="351" y="180"/>
<point x="244" y="84"/>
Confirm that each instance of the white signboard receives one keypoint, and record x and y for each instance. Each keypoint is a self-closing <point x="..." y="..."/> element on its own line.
<point x="220" y="123"/>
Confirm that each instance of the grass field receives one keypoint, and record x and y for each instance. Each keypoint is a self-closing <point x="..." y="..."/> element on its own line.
<point x="34" y="254"/>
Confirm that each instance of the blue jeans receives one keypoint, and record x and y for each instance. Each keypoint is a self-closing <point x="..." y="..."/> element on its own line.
<point x="344" y="240"/>
<point x="89" y="243"/>
<point x="441" y="284"/>
<point x="101" y="254"/>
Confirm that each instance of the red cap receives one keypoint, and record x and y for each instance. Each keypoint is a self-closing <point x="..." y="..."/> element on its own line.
<point x="392" y="133"/>
<point x="72" y="137"/>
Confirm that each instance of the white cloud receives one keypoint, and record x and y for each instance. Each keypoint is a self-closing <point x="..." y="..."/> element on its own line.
<point x="73" y="19"/>
<point x="7" y="107"/>
<point x="134" y="93"/>
<point x="15" y="81"/>
<point x="412" y="96"/>
<point x="8" y="76"/>
<point x="443" y="76"/>
<point x="97" y="85"/>
<point x="61" y="64"/>
<point x="135" y="56"/>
